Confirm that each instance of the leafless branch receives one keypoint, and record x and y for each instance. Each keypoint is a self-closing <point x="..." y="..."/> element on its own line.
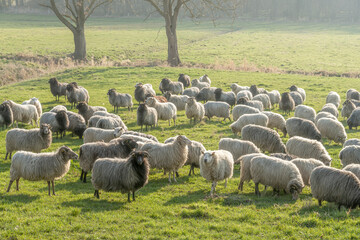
<point x="94" y="7"/>
<point x="70" y="9"/>
<point x="156" y="7"/>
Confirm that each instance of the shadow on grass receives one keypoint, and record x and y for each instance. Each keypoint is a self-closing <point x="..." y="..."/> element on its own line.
<point x="20" y="198"/>
<point x="5" y="166"/>
<point x="189" y="198"/>
<point x="92" y="204"/>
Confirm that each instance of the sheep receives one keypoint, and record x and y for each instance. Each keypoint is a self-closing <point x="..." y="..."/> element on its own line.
<point x="335" y="185"/>
<point x="349" y="155"/>
<point x="205" y="78"/>
<point x="206" y="94"/>
<point x="274" y="96"/>
<point x="348" y="107"/>
<point x="237" y="147"/>
<point x="142" y="90"/>
<point x="351" y="142"/>
<point x="251" y="103"/>
<point x="276" y="121"/>
<point x="297" y="97"/>
<point x="217" y="109"/>
<point x="87" y="111"/>
<point x="191" y="92"/>
<point x="110" y="123"/>
<point x="195" y="150"/>
<point x="258" y="119"/>
<point x="98" y="135"/>
<point x="332" y="130"/>
<point x="23" y="113"/>
<point x="93" y="120"/>
<point x="255" y="90"/>
<point x="334" y="98"/>
<point x="221" y="96"/>
<point x="124" y="175"/>
<point x="146" y="116"/>
<point x="354" y="119"/>
<point x="276" y="173"/>
<point x="120" y="99"/>
<point x="6" y="115"/>
<point x="170" y="157"/>
<point x="58" y="122"/>
<point x="161" y="99"/>
<point x="305" y="112"/>
<point x="354" y="168"/>
<point x="287" y="103"/>
<point x="77" y="124"/>
<point x="237" y="88"/>
<point x="303" y="128"/>
<point x="90" y="152"/>
<point x="167" y="85"/>
<point x="283" y="156"/>
<point x="184" y="79"/>
<point x="240" y="110"/>
<point x="57" y="88"/>
<point x="306" y="166"/>
<point x="264" y="138"/>
<point x="76" y="94"/>
<point x="321" y="115"/>
<point x="307" y="148"/>
<point x="34" y="101"/>
<point x="165" y="111"/>
<point x="264" y="98"/>
<point x="352" y="94"/>
<point x="216" y="166"/>
<point x="330" y="108"/>
<point x="299" y="90"/>
<point x="41" y="166"/>
<point x="244" y="94"/>
<point x="33" y="140"/>
<point x="140" y="141"/>
<point x="58" y="108"/>
<point x="178" y="100"/>
<point x="356" y="102"/>
<point x="148" y="136"/>
<point x="194" y="110"/>
<point x="198" y="84"/>
<point x="245" y="163"/>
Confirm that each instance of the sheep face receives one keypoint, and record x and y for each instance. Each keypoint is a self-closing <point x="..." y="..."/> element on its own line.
<point x="82" y="106"/>
<point x="208" y="157"/>
<point x="118" y="131"/>
<point x="150" y="101"/>
<point x="67" y="154"/>
<point x="167" y="95"/>
<point x="191" y="101"/>
<point x="194" y="81"/>
<point x="79" y="130"/>
<point x="33" y="100"/>
<point x="242" y="100"/>
<point x="165" y="82"/>
<point x="293" y="88"/>
<point x="139" y="157"/>
<point x="295" y="190"/>
<point x="112" y="91"/>
<point x="233" y="87"/>
<point x="45" y="129"/>
<point x="70" y="87"/>
<point x="129" y="143"/>
<point x="53" y="81"/>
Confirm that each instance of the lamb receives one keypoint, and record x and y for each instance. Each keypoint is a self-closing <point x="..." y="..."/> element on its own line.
<point x="57" y="89"/>
<point x="303" y="128"/>
<point x="88" y="111"/>
<point x="352" y="94"/>
<point x="258" y="119"/>
<point x="217" y="109"/>
<point x="125" y="175"/>
<point x="334" y="98"/>
<point x="119" y="99"/>
<point x="245" y="161"/>
<point x="283" y="156"/>
<point x="58" y="108"/>
<point x="307" y="148"/>
<point x="205" y="78"/>
<point x="194" y="110"/>
<point x="348" y="107"/>
<point x="321" y="115"/>
<point x="334" y="185"/>
<point x="161" y="99"/>
<point x="255" y="90"/>
<point x="90" y="152"/>
<point x="148" y="136"/>
<point x="110" y="123"/>
<point x="34" y="101"/>
<point x="221" y="96"/>
<point x="167" y="85"/>
<point x="170" y="157"/>
<point x="297" y="97"/>
<point x="98" y="135"/>
<point x="276" y="173"/>
<point x="276" y="121"/>
<point x="146" y="116"/>
<point x="251" y="103"/>
<point x="198" y="84"/>
<point x="354" y="119"/>
<point x="274" y="96"/>
<point x="306" y="166"/>
<point x="330" y="108"/>
<point x="244" y="94"/>
<point x="206" y="94"/>
<point x="41" y="166"/>
<point x="351" y="142"/>
<point x="77" y="124"/>
<point x="349" y="155"/>
<point x="264" y="138"/>
<point x="76" y="94"/>
<point x="191" y="92"/>
<point x="287" y="103"/>
<point x="354" y="168"/>
<point x="332" y="130"/>
<point x="237" y="88"/>
<point x="142" y="90"/>
<point x="264" y="99"/>
<point x="178" y="101"/>
<point x="305" y="112"/>
<point x="165" y="111"/>
<point x="58" y="122"/>
<point x="184" y="79"/>
<point x="240" y="110"/>
<point x="23" y="113"/>
<point x="237" y="147"/>
<point x="216" y="166"/>
<point x="33" y="140"/>
<point x="6" y="115"/>
<point x="195" y="150"/>
<point x="299" y="90"/>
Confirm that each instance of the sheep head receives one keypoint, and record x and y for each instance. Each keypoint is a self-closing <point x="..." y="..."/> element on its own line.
<point x="66" y="153"/>
<point x="151" y="101"/>
<point x="45" y="129"/>
<point x="208" y="157"/>
<point x="111" y="92"/>
<point x="139" y="157"/>
<point x="53" y="81"/>
<point x="293" y="88"/>
<point x="118" y="131"/>
<point x="82" y="106"/>
<point x="295" y="188"/>
<point x="167" y="95"/>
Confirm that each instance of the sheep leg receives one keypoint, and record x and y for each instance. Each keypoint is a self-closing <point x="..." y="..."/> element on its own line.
<point x="10" y="155"/>
<point x="82" y="174"/>
<point x="257" y="189"/>
<point x="169" y="176"/>
<point x="96" y="194"/>
<point x="177" y="174"/>
<point x="164" y="172"/>
<point x="53" y="186"/>
<point x="240" y="187"/>
<point x="6" y="155"/>
<point x="17" y="184"/>
<point x="84" y="180"/>
<point x="169" y="123"/>
<point x="10" y="183"/>
<point x="193" y="167"/>
<point x="129" y="197"/>
<point x="225" y="183"/>
<point x="48" y="182"/>
<point x="174" y="176"/>
<point x="339" y="206"/>
<point x="319" y="201"/>
<point x="174" y="122"/>
<point x="190" y="170"/>
<point x="212" y="189"/>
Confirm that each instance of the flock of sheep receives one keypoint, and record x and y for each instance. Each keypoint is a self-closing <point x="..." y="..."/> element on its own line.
<point x="120" y="159"/>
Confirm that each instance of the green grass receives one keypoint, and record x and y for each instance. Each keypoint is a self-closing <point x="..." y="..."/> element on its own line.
<point x="180" y="210"/>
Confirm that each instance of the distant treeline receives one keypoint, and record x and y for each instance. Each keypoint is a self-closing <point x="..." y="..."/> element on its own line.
<point x="295" y="10"/>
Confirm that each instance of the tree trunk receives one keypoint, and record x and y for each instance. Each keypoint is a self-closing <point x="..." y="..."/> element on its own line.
<point x="173" y="54"/>
<point x="80" y="44"/>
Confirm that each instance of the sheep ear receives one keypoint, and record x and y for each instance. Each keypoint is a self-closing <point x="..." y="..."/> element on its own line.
<point x="213" y="153"/>
<point x="202" y="152"/>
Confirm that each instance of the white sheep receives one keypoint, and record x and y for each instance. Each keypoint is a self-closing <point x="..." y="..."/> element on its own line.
<point x="264" y="98"/>
<point x="120" y="100"/>
<point x="191" y="92"/>
<point x="306" y="166"/>
<point x="246" y="119"/>
<point x="351" y="142"/>
<point x="34" y="101"/>
<point x="334" y="98"/>
<point x="58" y="108"/>
<point x="332" y="130"/>
<point x="252" y="103"/>
<point x="245" y="163"/>
<point x="200" y="85"/>
<point x="237" y="88"/>
<point x="24" y="113"/>
<point x="296" y="96"/>
<point x="240" y="110"/>
<point x="276" y="121"/>
<point x="205" y="78"/>
<point x="244" y="93"/>
<point x="303" y="128"/>
<point x="217" y="109"/>
<point x="349" y="155"/>
<point x="238" y="147"/>
<point x="305" y="112"/>
<point x="324" y="115"/>
<point x="106" y="135"/>
<point x="354" y="168"/>
<point x="178" y="100"/>
<point x="166" y="111"/>
<point x="194" y="110"/>
<point x="350" y="92"/>
<point x="330" y="108"/>
<point x="299" y="90"/>
<point x="110" y="123"/>
<point x="274" y="96"/>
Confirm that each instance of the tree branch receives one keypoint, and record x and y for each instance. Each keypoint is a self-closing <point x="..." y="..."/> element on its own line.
<point x="156" y="7"/>
<point x="60" y="16"/>
<point x="87" y="14"/>
<point x="70" y="9"/>
<point x="70" y="17"/>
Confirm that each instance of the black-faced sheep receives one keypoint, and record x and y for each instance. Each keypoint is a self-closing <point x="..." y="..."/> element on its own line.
<point x="206" y="94"/>
<point x="76" y="94"/>
<point x="165" y="111"/>
<point x="59" y="122"/>
<point x="255" y="90"/>
<point x="332" y="130"/>
<point x="57" y="89"/>
<point x="87" y="111"/>
<point x="221" y="96"/>
<point x="184" y="79"/>
<point x="146" y="116"/>
<point x="217" y="109"/>
<point x="6" y="115"/>
<point x="194" y="110"/>
<point x="303" y="128"/>
<point x="287" y="103"/>
<point x="348" y="107"/>
<point x="167" y="85"/>
<point x="143" y="90"/>
<point x="120" y="100"/>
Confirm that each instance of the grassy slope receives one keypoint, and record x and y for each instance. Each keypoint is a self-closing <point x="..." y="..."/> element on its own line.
<point x="164" y="210"/>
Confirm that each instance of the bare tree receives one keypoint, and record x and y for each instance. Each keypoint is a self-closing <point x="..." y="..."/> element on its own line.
<point x="73" y="15"/>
